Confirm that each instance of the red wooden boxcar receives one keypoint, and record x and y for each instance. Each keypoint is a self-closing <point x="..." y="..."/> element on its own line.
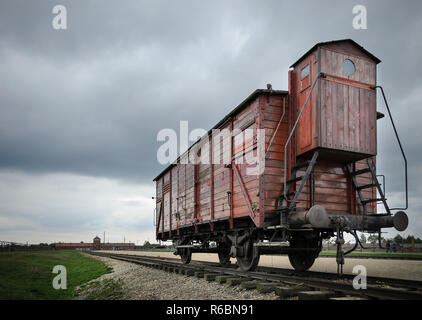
<point x="284" y="169"/>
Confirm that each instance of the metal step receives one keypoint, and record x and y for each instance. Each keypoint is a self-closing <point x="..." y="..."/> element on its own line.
<point x="359" y="172"/>
<point x="294" y="180"/>
<point x="371" y="200"/>
<point x="366" y="186"/>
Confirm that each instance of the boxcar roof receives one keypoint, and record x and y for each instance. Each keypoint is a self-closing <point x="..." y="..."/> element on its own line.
<point x="320" y="44"/>
<point x="251" y="97"/>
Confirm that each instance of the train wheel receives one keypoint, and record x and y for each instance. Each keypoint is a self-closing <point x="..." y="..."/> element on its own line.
<point x="185" y="253"/>
<point x="303" y="259"/>
<point x="250" y="260"/>
<point x="223" y="254"/>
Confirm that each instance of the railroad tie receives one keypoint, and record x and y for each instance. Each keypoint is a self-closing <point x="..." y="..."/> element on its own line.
<point x="234" y="281"/>
<point x="210" y="276"/>
<point x="248" y="284"/>
<point x="222" y="279"/>
<point x="315" y="295"/>
<point x="199" y="274"/>
<point x="189" y="272"/>
<point x="285" y="292"/>
<point x="266" y="287"/>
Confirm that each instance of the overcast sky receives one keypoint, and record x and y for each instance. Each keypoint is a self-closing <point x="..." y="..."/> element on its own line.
<point x="80" y="108"/>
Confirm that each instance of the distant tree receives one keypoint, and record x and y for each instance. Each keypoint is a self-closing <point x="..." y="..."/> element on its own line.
<point x="363" y="238"/>
<point x="373" y="238"/>
<point x="147" y="244"/>
<point x="398" y="239"/>
<point x="409" y="239"/>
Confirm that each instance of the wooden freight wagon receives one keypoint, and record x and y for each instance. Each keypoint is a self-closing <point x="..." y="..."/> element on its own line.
<point x="284" y="169"/>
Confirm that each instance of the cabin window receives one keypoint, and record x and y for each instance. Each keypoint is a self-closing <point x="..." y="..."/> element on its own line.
<point x="349" y="67"/>
<point x="305" y="78"/>
<point x="305" y="72"/>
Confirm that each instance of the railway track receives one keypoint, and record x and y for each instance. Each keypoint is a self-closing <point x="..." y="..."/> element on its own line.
<point x="284" y="282"/>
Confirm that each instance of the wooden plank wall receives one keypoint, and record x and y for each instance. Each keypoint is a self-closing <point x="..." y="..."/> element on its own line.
<point x="332" y="64"/>
<point x="348" y="112"/>
<point x="245" y="147"/>
<point x="222" y="173"/>
<point x="348" y="118"/>
<point x="188" y="202"/>
<point x="332" y="189"/>
<point x="274" y="162"/>
<point x="166" y="201"/>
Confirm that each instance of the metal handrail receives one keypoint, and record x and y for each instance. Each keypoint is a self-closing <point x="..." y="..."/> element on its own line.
<point x="321" y="75"/>
<point x="401" y="149"/>
<point x="154" y="217"/>
<point x="383" y="182"/>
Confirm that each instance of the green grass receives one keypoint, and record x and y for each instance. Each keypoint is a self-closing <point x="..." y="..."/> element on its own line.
<point x="108" y="289"/>
<point x="28" y="275"/>
<point x="383" y="254"/>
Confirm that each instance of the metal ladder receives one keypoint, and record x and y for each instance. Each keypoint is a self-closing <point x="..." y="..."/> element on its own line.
<point x="375" y="183"/>
<point x="285" y="210"/>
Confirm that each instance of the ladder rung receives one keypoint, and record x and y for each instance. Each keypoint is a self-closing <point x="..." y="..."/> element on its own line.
<point x="356" y="173"/>
<point x="294" y="180"/>
<point x="371" y="200"/>
<point x="288" y="194"/>
<point x="366" y="186"/>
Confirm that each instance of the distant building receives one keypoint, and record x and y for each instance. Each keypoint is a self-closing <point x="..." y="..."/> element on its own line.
<point x="95" y="245"/>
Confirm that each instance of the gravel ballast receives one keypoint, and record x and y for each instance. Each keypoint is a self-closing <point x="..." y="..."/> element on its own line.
<point x="142" y="283"/>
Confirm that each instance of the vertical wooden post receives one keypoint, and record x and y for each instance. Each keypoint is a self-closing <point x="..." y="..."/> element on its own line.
<point x="171" y="196"/>
<point x="211" y="152"/>
<point x="178" y="196"/>
<point x="261" y="162"/>
<point x="162" y="205"/>
<point x="231" y="174"/>
<point x="195" y="192"/>
<point x="291" y="154"/>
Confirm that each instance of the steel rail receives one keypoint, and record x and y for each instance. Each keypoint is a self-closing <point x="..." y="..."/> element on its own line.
<point x="415" y="284"/>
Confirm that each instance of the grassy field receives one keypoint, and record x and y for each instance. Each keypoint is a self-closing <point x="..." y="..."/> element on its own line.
<point x="376" y="254"/>
<point x="28" y="275"/>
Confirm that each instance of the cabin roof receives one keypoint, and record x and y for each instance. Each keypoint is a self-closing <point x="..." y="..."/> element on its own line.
<point x="328" y="43"/>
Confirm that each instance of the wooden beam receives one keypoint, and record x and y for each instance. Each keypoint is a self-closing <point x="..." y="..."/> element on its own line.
<point x="244" y="192"/>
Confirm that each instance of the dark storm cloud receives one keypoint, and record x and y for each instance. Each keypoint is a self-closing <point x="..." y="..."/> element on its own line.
<point x="90" y="100"/>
